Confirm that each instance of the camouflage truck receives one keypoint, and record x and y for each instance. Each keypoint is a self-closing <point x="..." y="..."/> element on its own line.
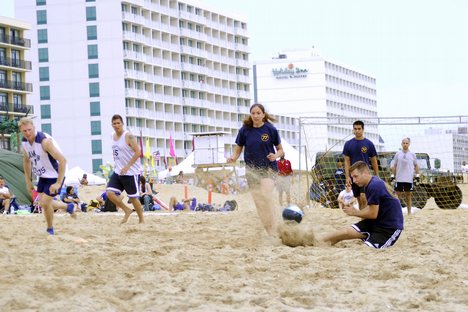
<point x="433" y="182"/>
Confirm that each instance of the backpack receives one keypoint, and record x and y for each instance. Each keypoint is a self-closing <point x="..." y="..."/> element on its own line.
<point x="109" y="206"/>
<point x="204" y="207"/>
<point x="229" y="205"/>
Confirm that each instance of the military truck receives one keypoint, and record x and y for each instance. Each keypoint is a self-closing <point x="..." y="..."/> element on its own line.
<point x="433" y="182"/>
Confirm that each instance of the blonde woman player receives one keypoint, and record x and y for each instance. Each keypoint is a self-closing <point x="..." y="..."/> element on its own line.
<point x="259" y="138"/>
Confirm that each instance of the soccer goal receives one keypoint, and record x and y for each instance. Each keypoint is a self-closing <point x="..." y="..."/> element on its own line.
<point x="440" y="145"/>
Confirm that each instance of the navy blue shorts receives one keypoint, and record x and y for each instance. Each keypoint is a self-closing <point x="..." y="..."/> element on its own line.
<point x="118" y="183"/>
<point x="404" y="187"/>
<point x="43" y="186"/>
<point x="377" y="237"/>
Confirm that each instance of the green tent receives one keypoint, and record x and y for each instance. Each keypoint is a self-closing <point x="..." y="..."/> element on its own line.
<point x="11" y="168"/>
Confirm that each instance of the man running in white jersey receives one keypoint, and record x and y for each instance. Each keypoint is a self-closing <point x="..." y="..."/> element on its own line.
<point x="127" y="169"/>
<point x="43" y="157"/>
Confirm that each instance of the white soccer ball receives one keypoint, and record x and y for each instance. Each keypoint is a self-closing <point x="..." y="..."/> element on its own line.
<point x="293" y="213"/>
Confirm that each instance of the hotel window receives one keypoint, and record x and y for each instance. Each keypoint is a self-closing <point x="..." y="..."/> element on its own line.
<point x="41" y="16"/>
<point x="134" y="10"/>
<point x="96" y="162"/>
<point x="92" y="51"/>
<point x="93" y="89"/>
<point x="44" y="92"/>
<point x="95" y="127"/>
<point x="45" y="111"/>
<point x="95" y="108"/>
<point x="40" y="2"/>
<point x="90" y="13"/>
<point x="93" y="70"/>
<point x="96" y="147"/>
<point x="47" y="128"/>
<point x="90" y="0"/>
<point x="42" y="36"/>
<point x="43" y="54"/>
<point x="43" y="73"/>
<point x="92" y="32"/>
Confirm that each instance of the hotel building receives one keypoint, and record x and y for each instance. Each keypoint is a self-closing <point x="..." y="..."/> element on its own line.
<point x="170" y="68"/>
<point x="13" y="85"/>
<point x="302" y="83"/>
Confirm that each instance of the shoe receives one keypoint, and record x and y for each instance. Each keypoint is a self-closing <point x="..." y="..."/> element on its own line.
<point x="50" y="231"/>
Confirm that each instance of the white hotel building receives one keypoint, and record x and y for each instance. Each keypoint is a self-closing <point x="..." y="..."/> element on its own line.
<point x="302" y="83"/>
<point x="170" y="68"/>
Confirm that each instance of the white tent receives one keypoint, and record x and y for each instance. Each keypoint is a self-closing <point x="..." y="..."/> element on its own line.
<point x="74" y="175"/>
<point x="186" y="166"/>
<point x="292" y="155"/>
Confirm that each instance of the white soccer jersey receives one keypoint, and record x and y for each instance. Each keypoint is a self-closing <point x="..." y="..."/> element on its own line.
<point x="405" y="165"/>
<point x="122" y="154"/>
<point x="43" y="165"/>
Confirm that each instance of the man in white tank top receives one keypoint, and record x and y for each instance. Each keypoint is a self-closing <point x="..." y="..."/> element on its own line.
<point x="127" y="169"/>
<point x="43" y="157"/>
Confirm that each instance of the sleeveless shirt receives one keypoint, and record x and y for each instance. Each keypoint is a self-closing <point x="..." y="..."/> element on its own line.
<point x="43" y="164"/>
<point x="122" y="154"/>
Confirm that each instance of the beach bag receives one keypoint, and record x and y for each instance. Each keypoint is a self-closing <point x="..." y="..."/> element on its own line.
<point x="109" y="206"/>
<point x="229" y="205"/>
<point x="204" y="207"/>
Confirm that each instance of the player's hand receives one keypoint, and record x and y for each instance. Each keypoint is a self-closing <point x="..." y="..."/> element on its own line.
<point x="349" y="209"/>
<point x="53" y="189"/>
<point x="416" y="180"/>
<point x="392" y="178"/>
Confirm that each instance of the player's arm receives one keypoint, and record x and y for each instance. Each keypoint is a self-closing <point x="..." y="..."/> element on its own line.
<point x="49" y="147"/>
<point x="235" y="155"/>
<point x="368" y="212"/>
<point x="347" y="165"/>
<point x="27" y="171"/>
<point x="278" y="154"/>
<point x="131" y="140"/>
<point x="375" y="165"/>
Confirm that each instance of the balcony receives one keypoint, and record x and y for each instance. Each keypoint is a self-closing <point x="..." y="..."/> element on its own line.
<point x="17" y="109"/>
<point x="17" y="41"/>
<point x="6" y="61"/>
<point x="16" y="85"/>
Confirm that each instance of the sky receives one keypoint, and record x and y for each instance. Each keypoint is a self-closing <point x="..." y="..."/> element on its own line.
<point x="417" y="50"/>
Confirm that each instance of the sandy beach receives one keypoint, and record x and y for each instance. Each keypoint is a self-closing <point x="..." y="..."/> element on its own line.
<point x="196" y="261"/>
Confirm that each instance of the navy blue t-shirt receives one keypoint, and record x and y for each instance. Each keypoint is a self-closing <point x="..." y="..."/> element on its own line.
<point x="258" y="143"/>
<point x="390" y="215"/>
<point x="359" y="150"/>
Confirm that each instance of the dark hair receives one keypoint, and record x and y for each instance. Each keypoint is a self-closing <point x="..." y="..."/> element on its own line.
<point x="142" y="182"/>
<point x="117" y="116"/>
<point x="69" y="188"/>
<point x="359" y="166"/>
<point x="358" y="123"/>
<point x="248" y="122"/>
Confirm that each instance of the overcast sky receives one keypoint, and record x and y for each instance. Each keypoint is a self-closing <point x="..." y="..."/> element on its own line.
<point x="417" y="50"/>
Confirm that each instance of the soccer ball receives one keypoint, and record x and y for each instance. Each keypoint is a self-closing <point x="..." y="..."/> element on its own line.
<point x="293" y="213"/>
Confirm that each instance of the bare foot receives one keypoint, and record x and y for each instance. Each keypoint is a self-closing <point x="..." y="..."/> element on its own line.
<point x="128" y="212"/>
<point x="73" y="215"/>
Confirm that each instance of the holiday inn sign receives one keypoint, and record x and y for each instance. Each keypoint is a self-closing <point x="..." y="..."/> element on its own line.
<point x="289" y="72"/>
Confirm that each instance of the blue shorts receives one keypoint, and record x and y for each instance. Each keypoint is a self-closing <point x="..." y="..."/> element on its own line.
<point x="377" y="237"/>
<point x="43" y="186"/>
<point x="118" y="183"/>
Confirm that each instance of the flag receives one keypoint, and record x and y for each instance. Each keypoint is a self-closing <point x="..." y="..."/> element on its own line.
<point x="157" y="156"/>
<point x="141" y="145"/>
<point x="147" y="152"/>
<point x="171" y="147"/>
<point x="193" y="143"/>
<point x="155" y="174"/>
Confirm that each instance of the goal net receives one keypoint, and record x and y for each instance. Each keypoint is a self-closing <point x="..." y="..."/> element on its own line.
<point x="440" y="145"/>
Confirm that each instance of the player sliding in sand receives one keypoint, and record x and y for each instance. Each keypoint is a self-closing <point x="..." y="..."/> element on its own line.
<point x="260" y="138"/>
<point x="127" y="168"/>
<point x="382" y="218"/>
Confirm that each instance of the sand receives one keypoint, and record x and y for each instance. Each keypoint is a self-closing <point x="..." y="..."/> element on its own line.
<point x="226" y="262"/>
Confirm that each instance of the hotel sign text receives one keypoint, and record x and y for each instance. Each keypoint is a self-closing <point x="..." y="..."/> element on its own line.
<point x="290" y="72"/>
